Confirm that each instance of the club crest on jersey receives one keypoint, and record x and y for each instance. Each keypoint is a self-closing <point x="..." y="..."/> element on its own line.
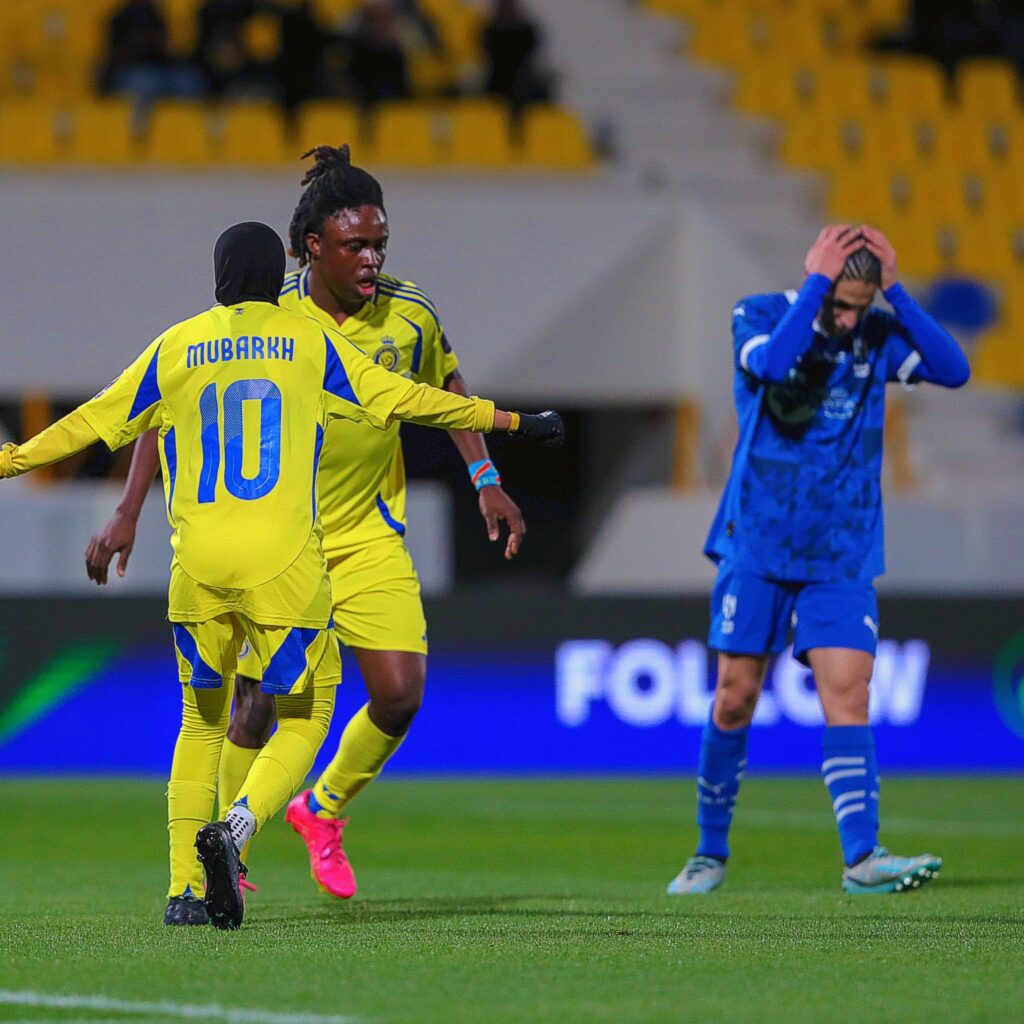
<point x="387" y="355"/>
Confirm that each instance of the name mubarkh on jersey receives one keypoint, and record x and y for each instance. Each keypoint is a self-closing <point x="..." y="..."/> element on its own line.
<point x="223" y="350"/>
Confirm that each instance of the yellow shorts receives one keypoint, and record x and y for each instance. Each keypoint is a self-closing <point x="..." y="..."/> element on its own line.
<point x="299" y="596"/>
<point x="290" y="658"/>
<point x="377" y="603"/>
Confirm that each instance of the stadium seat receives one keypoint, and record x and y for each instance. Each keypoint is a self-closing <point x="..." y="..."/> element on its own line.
<point x="331" y="123"/>
<point x="909" y="85"/>
<point x="481" y="134"/>
<point x="820" y="146"/>
<point x="843" y="86"/>
<point x="554" y="138"/>
<point x="102" y="133"/>
<point x="251" y="135"/>
<point x="30" y="131"/>
<point x="404" y="135"/>
<point x="987" y="87"/>
<point x="331" y="13"/>
<point x="856" y="197"/>
<point x="775" y="88"/>
<point x="177" y="134"/>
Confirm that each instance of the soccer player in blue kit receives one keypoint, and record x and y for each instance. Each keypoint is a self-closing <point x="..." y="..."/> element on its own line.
<point x="798" y="533"/>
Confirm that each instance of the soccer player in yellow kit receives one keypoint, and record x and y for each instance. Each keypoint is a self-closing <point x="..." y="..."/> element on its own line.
<point x="339" y="234"/>
<point x="241" y="396"/>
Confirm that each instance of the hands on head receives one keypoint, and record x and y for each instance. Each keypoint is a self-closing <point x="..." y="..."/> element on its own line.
<point x="837" y="242"/>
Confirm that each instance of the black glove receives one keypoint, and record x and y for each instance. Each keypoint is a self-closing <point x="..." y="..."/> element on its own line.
<point x="546" y="427"/>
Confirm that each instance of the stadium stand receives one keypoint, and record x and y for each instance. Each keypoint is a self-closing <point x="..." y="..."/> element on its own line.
<point x="331" y="57"/>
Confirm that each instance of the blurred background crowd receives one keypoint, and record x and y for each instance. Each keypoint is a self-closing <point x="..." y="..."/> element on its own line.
<point x="288" y="51"/>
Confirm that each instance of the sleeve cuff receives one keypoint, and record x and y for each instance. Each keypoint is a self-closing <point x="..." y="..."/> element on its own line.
<point x="895" y="292"/>
<point x="816" y="285"/>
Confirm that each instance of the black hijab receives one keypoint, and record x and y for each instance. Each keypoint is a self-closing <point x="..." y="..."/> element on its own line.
<point x="248" y="262"/>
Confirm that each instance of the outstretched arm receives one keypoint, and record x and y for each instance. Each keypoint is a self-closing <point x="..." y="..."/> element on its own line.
<point x="770" y="357"/>
<point x="66" y="437"/>
<point x="118" y="536"/>
<point x="940" y="360"/>
<point x="495" y="505"/>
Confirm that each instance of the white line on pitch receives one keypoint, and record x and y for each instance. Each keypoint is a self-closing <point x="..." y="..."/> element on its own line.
<point x="183" y="1011"/>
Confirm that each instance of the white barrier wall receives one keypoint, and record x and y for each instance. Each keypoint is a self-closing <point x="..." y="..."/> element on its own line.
<point x="549" y="289"/>
<point x="46" y="530"/>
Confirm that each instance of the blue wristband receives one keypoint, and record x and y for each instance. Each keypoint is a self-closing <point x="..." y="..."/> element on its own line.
<point x="483" y="474"/>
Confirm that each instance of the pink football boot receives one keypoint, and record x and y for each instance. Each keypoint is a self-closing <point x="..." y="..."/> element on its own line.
<point x="327" y="861"/>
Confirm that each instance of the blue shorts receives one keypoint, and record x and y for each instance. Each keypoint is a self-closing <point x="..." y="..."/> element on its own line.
<point x="754" y="615"/>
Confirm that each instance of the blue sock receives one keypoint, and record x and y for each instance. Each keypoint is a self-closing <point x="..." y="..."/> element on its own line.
<point x="723" y="756"/>
<point x="851" y="777"/>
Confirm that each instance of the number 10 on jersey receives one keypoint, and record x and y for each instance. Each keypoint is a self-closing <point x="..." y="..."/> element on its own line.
<point x="268" y="395"/>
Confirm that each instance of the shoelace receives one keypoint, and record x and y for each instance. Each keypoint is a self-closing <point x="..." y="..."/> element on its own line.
<point x="333" y="826"/>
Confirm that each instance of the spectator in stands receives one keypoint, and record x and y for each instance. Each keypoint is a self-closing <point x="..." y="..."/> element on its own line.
<point x="512" y="42"/>
<point x="221" y="45"/>
<point x="948" y="31"/>
<point x="138" y="62"/>
<point x="301" y="46"/>
<point x="1011" y="30"/>
<point x="378" y="63"/>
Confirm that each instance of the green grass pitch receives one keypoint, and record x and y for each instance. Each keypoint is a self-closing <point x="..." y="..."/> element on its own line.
<point x="510" y="901"/>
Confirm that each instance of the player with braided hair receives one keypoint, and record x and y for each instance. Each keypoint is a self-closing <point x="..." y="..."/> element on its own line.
<point x="339" y="235"/>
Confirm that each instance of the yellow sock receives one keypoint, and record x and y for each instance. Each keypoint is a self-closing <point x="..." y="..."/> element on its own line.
<point x="362" y="753"/>
<point x="282" y="765"/>
<point x="235" y="762"/>
<point x="192" y="789"/>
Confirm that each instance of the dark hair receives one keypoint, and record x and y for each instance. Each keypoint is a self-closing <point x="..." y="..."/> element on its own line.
<point x="333" y="183"/>
<point x="863" y="265"/>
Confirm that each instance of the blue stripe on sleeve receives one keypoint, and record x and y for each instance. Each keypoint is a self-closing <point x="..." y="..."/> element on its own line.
<point x="316" y="461"/>
<point x="171" y="457"/>
<point x="385" y="512"/>
<point x="417" y="352"/>
<point x="335" y="378"/>
<point x="149" y="390"/>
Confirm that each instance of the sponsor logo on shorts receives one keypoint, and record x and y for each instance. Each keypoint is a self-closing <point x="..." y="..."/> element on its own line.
<point x="246" y="649"/>
<point x="729" y="603"/>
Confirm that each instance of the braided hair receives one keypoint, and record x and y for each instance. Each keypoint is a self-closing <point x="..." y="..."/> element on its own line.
<point x="863" y="265"/>
<point x="333" y="183"/>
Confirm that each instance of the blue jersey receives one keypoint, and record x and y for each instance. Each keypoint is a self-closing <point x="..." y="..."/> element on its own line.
<point x="803" y="499"/>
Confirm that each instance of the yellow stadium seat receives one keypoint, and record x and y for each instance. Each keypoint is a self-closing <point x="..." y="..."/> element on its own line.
<point x="554" y="138"/>
<point x="910" y="85"/>
<point x="894" y="141"/>
<point x="856" y="197"/>
<point x="481" y="134"/>
<point x="977" y="143"/>
<point x="331" y="123"/>
<point x="404" y="134"/>
<point x="432" y="74"/>
<point x="999" y="357"/>
<point x="177" y="134"/>
<point x="102" y="132"/>
<point x="987" y="87"/>
<point x="775" y="88"/>
<point x="460" y="30"/>
<point x="843" y="87"/>
<point x="732" y="37"/>
<point x="917" y="242"/>
<point x="252" y="134"/>
<point x="820" y="145"/>
<point x="30" y="132"/>
<point x="182" y="25"/>
<point x="332" y="12"/>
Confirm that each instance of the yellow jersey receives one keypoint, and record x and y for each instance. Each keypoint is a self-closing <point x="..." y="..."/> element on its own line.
<point x="362" y="474"/>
